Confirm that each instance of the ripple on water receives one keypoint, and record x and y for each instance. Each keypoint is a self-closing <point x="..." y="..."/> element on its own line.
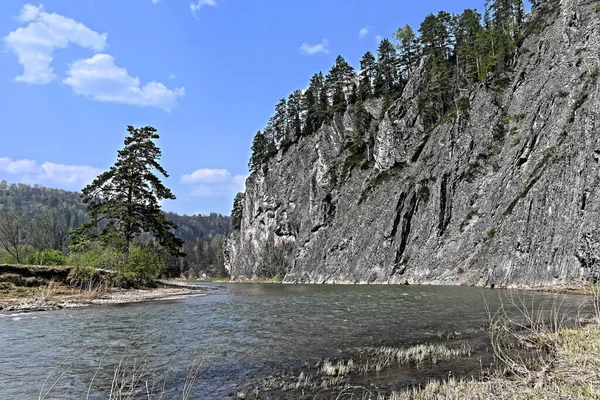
<point x="242" y="332"/>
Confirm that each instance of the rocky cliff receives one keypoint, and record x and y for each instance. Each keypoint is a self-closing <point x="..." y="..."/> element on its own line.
<point x="506" y="192"/>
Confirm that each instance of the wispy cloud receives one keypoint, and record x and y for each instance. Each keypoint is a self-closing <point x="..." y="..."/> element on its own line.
<point x="378" y="38"/>
<point x="45" y="33"/>
<point x="312" y="49"/>
<point x="214" y="183"/>
<point x="99" y="78"/>
<point x="363" y="32"/>
<point x="155" y="1"/>
<point x="199" y="4"/>
<point x="30" y="171"/>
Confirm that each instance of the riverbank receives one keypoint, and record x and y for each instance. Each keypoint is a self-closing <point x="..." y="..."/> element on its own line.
<point x="570" y="370"/>
<point x="34" y="288"/>
<point x="60" y="297"/>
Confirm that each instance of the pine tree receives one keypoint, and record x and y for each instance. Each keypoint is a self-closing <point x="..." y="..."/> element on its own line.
<point x="311" y="104"/>
<point x="294" y="116"/>
<point x="125" y="200"/>
<point x="386" y="80"/>
<point x="408" y="47"/>
<point x="324" y="104"/>
<point x="435" y="35"/>
<point x="367" y="76"/>
<point x="504" y="23"/>
<point x="279" y="122"/>
<point x="469" y="55"/>
<point x="262" y="150"/>
<point x="339" y="84"/>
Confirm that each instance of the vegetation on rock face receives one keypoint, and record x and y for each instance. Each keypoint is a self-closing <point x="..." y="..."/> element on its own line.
<point x="455" y="52"/>
<point x="458" y="50"/>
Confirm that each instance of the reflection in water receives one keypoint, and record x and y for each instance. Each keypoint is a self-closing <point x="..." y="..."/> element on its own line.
<point x="243" y="332"/>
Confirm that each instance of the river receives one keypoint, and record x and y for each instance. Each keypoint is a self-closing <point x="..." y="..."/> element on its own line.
<point x="239" y="333"/>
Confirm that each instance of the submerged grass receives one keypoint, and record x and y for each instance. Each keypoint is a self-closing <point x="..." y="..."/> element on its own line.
<point x="330" y="374"/>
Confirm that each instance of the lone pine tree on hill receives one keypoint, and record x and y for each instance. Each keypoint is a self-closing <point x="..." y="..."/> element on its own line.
<point x="124" y="201"/>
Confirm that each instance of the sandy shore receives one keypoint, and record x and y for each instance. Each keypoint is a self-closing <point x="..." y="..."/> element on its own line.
<point x="46" y="301"/>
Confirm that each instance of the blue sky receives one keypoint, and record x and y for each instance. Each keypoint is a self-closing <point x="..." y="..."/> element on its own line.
<point x="206" y="74"/>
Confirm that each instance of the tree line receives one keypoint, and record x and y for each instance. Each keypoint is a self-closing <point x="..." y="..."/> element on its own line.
<point x="36" y="222"/>
<point x="457" y="51"/>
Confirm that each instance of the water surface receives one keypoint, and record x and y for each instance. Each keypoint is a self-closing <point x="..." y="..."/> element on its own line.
<point x="241" y="332"/>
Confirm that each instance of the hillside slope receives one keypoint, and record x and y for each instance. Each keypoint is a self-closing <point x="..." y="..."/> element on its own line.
<point x="69" y="211"/>
<point x="506" y="193"/>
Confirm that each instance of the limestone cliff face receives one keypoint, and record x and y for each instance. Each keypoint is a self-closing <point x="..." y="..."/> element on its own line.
<point x="508" y="194"/>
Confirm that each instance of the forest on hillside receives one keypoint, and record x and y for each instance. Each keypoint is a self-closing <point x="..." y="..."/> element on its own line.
<point x="45" y="216"/>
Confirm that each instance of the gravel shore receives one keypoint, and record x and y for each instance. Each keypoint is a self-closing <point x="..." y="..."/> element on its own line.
<point x="51" y="301"/>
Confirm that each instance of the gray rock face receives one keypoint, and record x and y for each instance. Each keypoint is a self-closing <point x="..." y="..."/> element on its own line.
<point x="508" y="194"/>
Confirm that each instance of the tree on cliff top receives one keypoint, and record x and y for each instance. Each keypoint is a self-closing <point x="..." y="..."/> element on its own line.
<point x="124" y="201"/>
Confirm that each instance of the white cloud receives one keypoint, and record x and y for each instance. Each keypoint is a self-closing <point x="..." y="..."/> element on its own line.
<point x="311" y="49"/>
<point x="10" y="166"/>
<point x="172" y="76"/>
<point x="207" y="175"/>
<point x="45" y="33"/>
<point x="155" y="1"/>
<point x="101" y="79"/>
<point x="214" y="183"/>
<point x="199" y="4"/>
<point x="378" y="38"/>
<point x="363" y="32"/>
<point x="29" y="171"/>
<point x="97" y="77"/>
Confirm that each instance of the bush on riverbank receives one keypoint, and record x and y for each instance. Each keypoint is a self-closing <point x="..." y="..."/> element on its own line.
<point x="97" y="265"/>
<point x="46" y="257"/>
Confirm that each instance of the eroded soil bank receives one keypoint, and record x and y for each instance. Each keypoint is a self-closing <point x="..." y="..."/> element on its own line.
<point x="35" y="288"/>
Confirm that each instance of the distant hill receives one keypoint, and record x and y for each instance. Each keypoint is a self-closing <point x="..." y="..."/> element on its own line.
<point x="69" y="212"/>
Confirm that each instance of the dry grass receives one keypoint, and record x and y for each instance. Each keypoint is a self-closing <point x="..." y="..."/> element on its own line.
<point x="573" y="374"/>
<point x="134" y="376"/>
<point x="381" y="358"/>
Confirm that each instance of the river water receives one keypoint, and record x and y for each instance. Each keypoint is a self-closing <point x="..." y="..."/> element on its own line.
<point x="237" y="334"/>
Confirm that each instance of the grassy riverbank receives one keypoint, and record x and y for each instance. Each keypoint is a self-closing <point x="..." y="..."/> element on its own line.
<point x="569" y="370"/>
<point x="26" y="288"/>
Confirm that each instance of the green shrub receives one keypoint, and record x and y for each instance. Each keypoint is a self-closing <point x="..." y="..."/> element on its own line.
<point x="464" y="104"/>
<point x="146" y="260"/>
<point x="138" y="268"/>
<point x="94" y="255"/>
<point x="46" y="257"/>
